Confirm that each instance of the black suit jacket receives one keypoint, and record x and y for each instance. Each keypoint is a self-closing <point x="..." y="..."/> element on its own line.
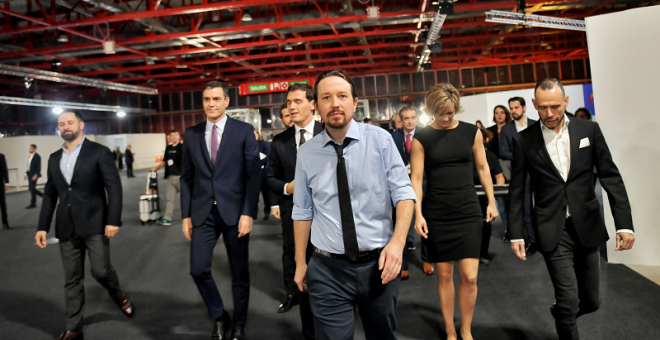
<point x="554" y="195"/>
<point x="35" y="167"/>
<point x="399" y="138"/>
<point x="235" y="181"/>
<point x="282" y="163"/>
<point x="129" y="156"/>
<point x="4" y="172"/>
<point x="83" y="204"/>
<point x="506" y="138"/>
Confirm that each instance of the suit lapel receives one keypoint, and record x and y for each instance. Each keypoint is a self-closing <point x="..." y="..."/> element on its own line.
<point x="58" y="172"/>
<point x="318" y="128"/>
<point x="290" y="147"/>
<point x="224" y="139"/>
<point x="539" y="144"/>
<point x="575" y="145"/>
<point x="202" y="143"/>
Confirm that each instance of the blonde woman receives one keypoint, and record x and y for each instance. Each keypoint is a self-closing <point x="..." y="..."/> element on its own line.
<point x="449" y="214"/>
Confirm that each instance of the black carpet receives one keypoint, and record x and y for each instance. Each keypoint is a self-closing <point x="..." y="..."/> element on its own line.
<point x="153" y="265"/>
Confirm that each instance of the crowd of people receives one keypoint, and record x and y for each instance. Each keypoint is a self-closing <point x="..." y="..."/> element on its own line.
<point x="350" y="197"/>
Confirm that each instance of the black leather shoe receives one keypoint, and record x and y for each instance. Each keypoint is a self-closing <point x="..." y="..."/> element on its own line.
<point x="222" y="324"/>
<point x="531" y="249"/>
<point x="291" y="300"/>
<point x="30" y="206"/>
<point x="237" y="334"/>
<point x="5" y="226"/>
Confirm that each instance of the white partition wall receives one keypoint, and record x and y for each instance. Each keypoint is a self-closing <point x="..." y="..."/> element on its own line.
<point x="624" y="50"/>
<point x="146" y="146"/>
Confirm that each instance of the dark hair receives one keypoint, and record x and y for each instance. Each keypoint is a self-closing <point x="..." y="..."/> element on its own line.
<point x="173" y="131"/>
<point x="407" y="107"/>
<point x="308" y="89"/>
<point x="480" y="123"/>
<point x="76" y="113"/>
<point x="583" y="109"/>
<point x="282" y="107"/>
<point x="334" y="73"/>
<point x="506" y="110"/>
<point x="214" y="84"/>
<point x="549" y="84"/>
<point x="366" y="120"/>
<point x="517" y="99"/>
<point x="33" y="145"/>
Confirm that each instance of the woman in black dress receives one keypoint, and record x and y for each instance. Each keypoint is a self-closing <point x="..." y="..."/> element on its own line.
<point x="449" y="214"/>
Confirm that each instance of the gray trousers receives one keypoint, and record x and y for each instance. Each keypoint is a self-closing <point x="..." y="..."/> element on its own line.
<point x="336" y="287"/>
<point x="173" y="194"/>
<point x="73" y="258"/>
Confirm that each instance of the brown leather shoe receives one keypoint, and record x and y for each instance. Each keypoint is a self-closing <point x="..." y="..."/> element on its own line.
<point x="67" y="335"/>
<point x="126" y="305"/>
<point x="428" y="268"/>
<point x="405" y="275"/>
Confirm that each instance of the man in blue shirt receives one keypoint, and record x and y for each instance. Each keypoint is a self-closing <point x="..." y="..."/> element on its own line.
<point x="346" y="180"/>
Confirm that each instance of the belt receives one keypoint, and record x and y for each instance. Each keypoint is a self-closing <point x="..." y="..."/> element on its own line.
<point x="363" y="256"/>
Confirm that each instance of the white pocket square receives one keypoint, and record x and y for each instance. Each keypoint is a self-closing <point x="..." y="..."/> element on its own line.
<point x="584" y="142"/>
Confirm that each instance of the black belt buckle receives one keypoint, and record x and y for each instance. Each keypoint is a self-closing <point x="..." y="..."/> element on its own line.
<point x="367" y="256"/>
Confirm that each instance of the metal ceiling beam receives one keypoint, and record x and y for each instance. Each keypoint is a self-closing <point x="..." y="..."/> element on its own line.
<point x="71" y="105"/>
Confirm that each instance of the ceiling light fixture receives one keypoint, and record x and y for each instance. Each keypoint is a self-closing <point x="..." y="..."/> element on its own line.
<point x="246" y="17"/>
<point x="288" y="47"/>
<point x="121" y="114"/>
<point x="57" y="110"/>
<point x="535" y="20"/>
<point x="63" y="38"/>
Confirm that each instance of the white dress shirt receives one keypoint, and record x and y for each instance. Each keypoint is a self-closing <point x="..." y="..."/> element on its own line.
<point x="30" y="160"/>
<point x="520" y="127"/>
<point x="219" y="130"/>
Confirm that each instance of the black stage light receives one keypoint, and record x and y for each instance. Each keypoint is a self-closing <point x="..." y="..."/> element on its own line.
<point x="443" y="6"/>
<point x="436" y="47"/>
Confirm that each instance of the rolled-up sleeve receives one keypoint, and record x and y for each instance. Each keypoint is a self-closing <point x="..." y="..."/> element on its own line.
<point x="398" y="181"/>
<point x="303" y="206"/>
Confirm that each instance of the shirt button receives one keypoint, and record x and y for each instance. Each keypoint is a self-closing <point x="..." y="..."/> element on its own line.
<point x="70" y="189"/>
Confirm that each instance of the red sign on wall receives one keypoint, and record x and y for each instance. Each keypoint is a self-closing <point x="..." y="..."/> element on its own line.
<point x="270" y="87"/>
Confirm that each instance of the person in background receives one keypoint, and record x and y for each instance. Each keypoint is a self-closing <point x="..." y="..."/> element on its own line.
<point x="498" y="178"/>
<point x="118" y="158"/>
<point x="129" y="161"/>
<point x="4" y="182"/>
<point x="264" y="154"/>
<point x="479" y="124"/>
<point x="367" y="121"/>
<point x="501" y="117"/>
<point x="398" y="124"/>
<point x="172" y="163"/>
<point x="583" y="113"/>
<point x="559" y="154"/>
<point x="285" y="116"/>
<point x="83" y="178"/>
<point x="346" y="180"/>
<point x="403" y="140"/>
<point x="448" y="213"/>
<point x="32" y="175"/>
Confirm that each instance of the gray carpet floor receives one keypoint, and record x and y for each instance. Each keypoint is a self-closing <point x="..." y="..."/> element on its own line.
<point x="153" y="264"/>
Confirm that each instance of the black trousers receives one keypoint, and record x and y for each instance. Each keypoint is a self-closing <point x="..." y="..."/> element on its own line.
<point x="487" y="228"/>
<point x="336" y="287"/>
<point x="129" y="169"/>
<point x="575" y="274"/>
<point x="204" y="239"/>
<point x="3" y="204"/>
<point x="73" y="252"/>
<point x="265" y="192"/>
<point x="32" y="186"/>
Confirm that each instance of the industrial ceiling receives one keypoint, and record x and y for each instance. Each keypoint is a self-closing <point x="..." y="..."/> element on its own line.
<point x="173" y="45"/>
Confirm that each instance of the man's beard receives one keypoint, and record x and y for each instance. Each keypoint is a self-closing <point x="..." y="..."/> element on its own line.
<point x="70" y="136"/>
<point x="517" y="119"/>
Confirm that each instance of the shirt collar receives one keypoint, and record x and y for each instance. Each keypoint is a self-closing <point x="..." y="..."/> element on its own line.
<point x="309" y="128"/>
<point x="221" y="124"/>
<point x="411" y="133"/>
<point x="74" y="149"/>
<point x="353" y="133"/>
<point x="563" y="128"/>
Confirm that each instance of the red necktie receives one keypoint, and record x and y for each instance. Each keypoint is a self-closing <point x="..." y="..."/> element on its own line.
<point x="408" y="142"/>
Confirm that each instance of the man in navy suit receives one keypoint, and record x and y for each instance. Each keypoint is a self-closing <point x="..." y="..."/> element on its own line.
<point x="403" y="140"/>
<point x="220" y="183"/>
<point x="519" y="123"/>
<point x="32" y="175"/>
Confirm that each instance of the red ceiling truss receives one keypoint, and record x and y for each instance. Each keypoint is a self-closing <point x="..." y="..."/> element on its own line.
<point x="174" y="44"/>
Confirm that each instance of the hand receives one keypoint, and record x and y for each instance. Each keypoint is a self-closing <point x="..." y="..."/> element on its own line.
<point x="25" y="177"/>
<point x="301" y="276"/>
<point x="491" y="213"/>
<point x="154" y="169"/>
<point x="519" y="249"/>
<point x="111" y="230"/>
<point x="34" y="178"/>
<point x="6" y="187"/>
<point x="244" y="225"/>
<point x="289" y="187"/>
<point x="624" y="241"/>
<point x="41" y="239"/>
<point x="420" y="226"/>
<point x="187" y="228"/>
<point x="390" y="260"/>
<point x="275" y="212"/>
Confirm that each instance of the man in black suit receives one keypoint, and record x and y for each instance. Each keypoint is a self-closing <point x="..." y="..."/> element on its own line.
<point x="129" y="161"/>
<point x="281" y="172"/>
<point x="220" y="184"/>
<point x="32" y="175"/>
<point x="403" y="140"/>
<point x="4" y="182"/>
<point x="560" y="154"/>
<point x="519" y="123"/>
<point x="83" y="177"/>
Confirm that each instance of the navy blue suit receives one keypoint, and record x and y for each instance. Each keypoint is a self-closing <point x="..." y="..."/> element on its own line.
<point x="35" y="169"/>
<point x="400" y="142"/>
<point x="215" y="197"/>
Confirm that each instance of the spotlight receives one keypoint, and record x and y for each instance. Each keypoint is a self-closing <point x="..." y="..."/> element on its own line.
<point x="28" y="82"/>
<point x="121" y="114"/>
<point x="424" y="118"/>
<point x="57" y="110"/>
<point x="246" y="17"/>
<point x="288" y="47"/>
<point x="443" y="6"/>
<point x="63" y="38"/>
